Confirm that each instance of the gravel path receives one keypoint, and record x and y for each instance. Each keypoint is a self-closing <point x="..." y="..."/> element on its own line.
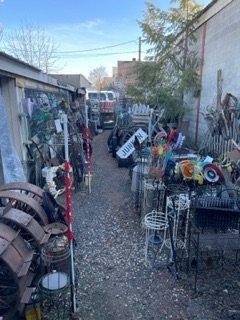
<point x="114" y="283"/>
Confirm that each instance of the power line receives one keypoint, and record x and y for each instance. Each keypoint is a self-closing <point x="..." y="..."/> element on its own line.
<point x="96" y="55"/>
<point x="77" y="51"/>
<point x="96" y="49"/>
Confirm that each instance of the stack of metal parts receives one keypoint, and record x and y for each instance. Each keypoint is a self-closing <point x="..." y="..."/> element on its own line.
<point x="22" y="235"/>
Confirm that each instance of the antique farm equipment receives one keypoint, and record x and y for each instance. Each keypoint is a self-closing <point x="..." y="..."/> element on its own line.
<point x="24" y="229"/>
<point x="15" y="275"/>
<point x="24" y="203"/>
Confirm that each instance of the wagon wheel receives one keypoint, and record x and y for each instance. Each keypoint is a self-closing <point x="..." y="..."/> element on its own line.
<point x="24" y="188"/>
<point x="24" y="203"/>
<point x="29" y="229"/>
<point x="28" y="189"/>
<point x="9" y="291"/>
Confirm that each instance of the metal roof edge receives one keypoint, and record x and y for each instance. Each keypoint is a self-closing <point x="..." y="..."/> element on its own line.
<point x="17" y="67"/>
<point x="209" y="12"/>
<point x="4" y="54"/>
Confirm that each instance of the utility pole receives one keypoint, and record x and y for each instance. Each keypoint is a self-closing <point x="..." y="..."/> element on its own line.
<point x="139" y="48"/>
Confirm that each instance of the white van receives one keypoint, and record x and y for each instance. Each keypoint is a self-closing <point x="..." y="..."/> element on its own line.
<point x="107" y="96"/>
<point x="93" y="96"/>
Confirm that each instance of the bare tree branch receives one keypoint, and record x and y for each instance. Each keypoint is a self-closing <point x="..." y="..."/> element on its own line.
<point x="31" y="44"/>
<point x="96" y="76"/>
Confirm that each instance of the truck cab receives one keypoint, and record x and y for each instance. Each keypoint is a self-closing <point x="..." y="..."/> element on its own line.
<point x="107" y="96"/>
<point x="107" y="109"/>
<point x="102" y="103"/>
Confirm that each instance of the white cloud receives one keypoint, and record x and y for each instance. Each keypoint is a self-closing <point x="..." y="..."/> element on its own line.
<point x="90" y="26"/>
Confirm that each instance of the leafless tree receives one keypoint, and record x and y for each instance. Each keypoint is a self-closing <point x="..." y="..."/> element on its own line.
<point x="33" y="45"/>
<point x="97" y="77"/>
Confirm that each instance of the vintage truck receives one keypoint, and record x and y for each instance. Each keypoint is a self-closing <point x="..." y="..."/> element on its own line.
<point x="107" y="109"/>
<point x="103" y="103"/>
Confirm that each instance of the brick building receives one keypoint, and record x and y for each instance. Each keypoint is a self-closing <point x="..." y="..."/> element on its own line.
<point x="126" y="73"/>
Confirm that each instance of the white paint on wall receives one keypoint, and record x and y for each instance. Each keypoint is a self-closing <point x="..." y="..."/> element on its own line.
<point x="222" y="51"/>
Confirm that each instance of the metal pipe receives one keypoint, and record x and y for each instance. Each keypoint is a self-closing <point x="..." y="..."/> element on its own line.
<point x="200" y="76"/>
<point x="69" y="216"/>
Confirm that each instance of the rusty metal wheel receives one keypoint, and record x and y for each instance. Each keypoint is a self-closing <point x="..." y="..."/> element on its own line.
<point x="15" y="262"/>
<point x="29" y="229"/>
<point x="24" y="203"/>
<point x="24" y="188"/>
<point x="30" y="190"/>
<point x="9" y="291"/>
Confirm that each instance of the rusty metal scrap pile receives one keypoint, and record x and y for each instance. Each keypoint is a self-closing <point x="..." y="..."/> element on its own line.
<point x="45" y="145"/>
<point x="188" y="201"/>
<point x="25" y="226"/>
<point x="223" y="124"/>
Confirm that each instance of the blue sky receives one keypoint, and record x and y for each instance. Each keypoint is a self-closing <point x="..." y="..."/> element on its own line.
<point x="80" y="25"/>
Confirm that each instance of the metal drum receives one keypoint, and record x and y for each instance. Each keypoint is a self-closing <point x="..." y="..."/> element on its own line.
<point x="56" y="229"/>
<point x="54" y="292"/>
<point x="56" y="255"/>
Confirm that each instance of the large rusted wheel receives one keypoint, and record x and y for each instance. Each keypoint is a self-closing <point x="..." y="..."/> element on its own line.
<point x="15" y="263"/>
<point x="28" y="189"/>
<point x="24" y="203"/>
<point x="12" y="291"/>
<point x="24" y="188"/>
<point x="29" y="229"/>
<point x="9" y="291"/>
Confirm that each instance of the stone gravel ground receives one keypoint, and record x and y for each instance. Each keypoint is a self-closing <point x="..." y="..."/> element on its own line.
<point x="113" y="281"/>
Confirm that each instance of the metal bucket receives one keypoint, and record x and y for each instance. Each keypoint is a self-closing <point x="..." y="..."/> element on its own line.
<point x="55" y="255"/>
<point x="55" y="298"/>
